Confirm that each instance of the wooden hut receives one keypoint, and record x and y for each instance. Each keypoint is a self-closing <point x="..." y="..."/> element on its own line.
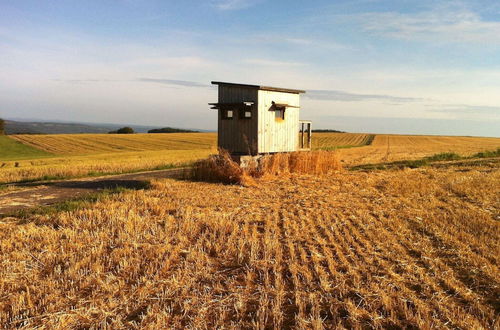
<point x="255" y="119"/>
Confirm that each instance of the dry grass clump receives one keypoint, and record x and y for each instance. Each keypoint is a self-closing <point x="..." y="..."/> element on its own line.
<point x="218" y="168"/>
<point x="302" y="162"/>
<point x="222" y="168"/>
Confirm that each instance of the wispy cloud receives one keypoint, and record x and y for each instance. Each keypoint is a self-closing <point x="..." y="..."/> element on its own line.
<point x="173" y="82"/>
<point x="334" y="95"/>
<point x="170" y="82"/>
<point x="80" y="81"/>
<point x="265" y="62"/>
<point x="452" y="22"/>
<point x="465" y="109"/>
<point x="234" y="4"/>
<point x="290" y="40"/>
<point x="314" y="94"/>
<point x="324" y="95"/>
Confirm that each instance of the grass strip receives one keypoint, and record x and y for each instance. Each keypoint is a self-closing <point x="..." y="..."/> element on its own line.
<point x="426" y="161"/>
<point x="48" y="178"/>
<point x="11" y="150"/>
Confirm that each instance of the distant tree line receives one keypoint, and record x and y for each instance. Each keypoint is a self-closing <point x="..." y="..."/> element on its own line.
<point x="327" y="131"/>
<point x="123" y="130"/>
<point x="171" y="130"/>
<point x="130" y="130"/>
<point x="2" y="126"/>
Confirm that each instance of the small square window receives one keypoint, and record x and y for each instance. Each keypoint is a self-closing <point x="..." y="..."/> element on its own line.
<point x="245" y="113"/>
<point x="227" y="114"/>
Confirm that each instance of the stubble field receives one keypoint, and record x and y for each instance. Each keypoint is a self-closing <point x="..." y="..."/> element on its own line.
<point x="410" y="248"/>
<point x="91" y="144"/>
<point x="389" y="148"/>
<point x="395" y="248"/>
<point x="80" y="155"/>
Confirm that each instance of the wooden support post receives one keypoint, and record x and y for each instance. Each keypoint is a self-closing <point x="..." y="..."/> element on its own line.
<point x="302" y="129"/>
<point x="308" y="136"/>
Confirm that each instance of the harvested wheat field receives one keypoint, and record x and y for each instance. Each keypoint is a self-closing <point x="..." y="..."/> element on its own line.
<point x="78" y="155"/>
<point x="82" y="144"/>
<point x="388" y="148"/>
<point x="98" y="164"/>
<point x="385" y="249"/>
<point x="330" y="141"/>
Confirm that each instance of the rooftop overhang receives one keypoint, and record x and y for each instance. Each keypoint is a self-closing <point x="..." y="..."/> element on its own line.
<point x="283" y="105"/>
<point x="231" y="106"/>
<point x="265" y="88"/>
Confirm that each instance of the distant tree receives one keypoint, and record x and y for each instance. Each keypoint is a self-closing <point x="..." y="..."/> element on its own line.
<point x="123" y="130"/>
<point x="171" y="130"/>
<point x="2" y="126"/>
<point x="327" y="131"/>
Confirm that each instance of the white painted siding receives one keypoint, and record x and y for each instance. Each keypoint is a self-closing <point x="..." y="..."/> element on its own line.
<point x="275" y="135"/>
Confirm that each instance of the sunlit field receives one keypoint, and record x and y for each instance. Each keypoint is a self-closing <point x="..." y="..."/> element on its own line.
<point x="83" y="144"/>
<point x="95" y="165"/>
<point x="78" y="155"/>
<point x="394" y="248"/>
<point x="386" y="249"/>
<point x="388" y="148"/>
<point x="330" y="141"/>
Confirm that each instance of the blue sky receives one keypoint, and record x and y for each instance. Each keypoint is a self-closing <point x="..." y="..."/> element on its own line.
<point x="420" y="67"/>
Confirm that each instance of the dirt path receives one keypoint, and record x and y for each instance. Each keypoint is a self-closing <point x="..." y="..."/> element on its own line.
<point x="29" y="195"/>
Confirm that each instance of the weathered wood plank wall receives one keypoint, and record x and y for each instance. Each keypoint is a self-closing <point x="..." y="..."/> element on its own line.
<point x="238" y="135"/>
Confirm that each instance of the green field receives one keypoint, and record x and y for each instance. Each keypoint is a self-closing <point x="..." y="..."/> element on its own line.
<point x="14" y="150"/>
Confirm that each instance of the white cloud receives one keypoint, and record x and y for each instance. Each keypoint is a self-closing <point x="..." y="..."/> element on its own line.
<point x="299" y="41"/>
<point x="334" y="95"/>
<point x="234" y="4"/>
<point x="175" y="62"/>
<point x="265" y="62"/>
<point x="451" y="23"/>
<point x="175" y="82"/>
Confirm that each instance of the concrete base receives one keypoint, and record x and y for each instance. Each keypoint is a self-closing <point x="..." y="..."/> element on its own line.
<point x="246" y="161"/>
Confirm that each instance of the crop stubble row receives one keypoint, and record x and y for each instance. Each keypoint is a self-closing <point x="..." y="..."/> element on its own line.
<point x="408" y="248"/>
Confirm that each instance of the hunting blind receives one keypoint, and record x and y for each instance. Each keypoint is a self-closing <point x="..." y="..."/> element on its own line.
<point x="255" y="119"/>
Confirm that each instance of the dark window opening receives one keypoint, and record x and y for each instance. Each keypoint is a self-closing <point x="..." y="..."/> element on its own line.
<point x="279" y="114"/>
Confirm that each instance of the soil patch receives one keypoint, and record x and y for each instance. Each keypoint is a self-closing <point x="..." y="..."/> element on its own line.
<point x="29" y="195"/>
